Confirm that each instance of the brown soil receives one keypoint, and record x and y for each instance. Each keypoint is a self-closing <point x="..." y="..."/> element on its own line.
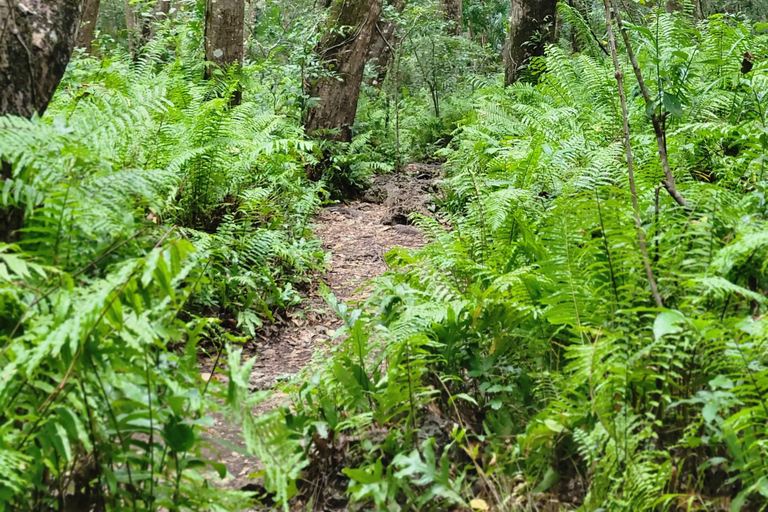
<point x="356" y="237"/>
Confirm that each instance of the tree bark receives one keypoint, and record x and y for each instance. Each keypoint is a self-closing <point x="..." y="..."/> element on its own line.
<point x="630" y="162"/>
<point x="163" y="6"/>
<point x="343" y="51"/>
<point x="88" y="26"/>
<point x="526" y="18"/>
<point x="383" y="41"/>
<point x="224" y="36"/>
<point x="698" y="10"/>
<point x="452" y="10"/>
<point x="36" y="42"/>
<point x="160" y="13"/>
<point x="130" y="27"/>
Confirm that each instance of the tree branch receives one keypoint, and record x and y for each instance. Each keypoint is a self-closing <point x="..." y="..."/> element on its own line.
<point x="656" y="119"/>
<point x="630" y="165"/>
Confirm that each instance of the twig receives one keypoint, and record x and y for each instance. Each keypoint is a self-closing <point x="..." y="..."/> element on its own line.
<point x="630" y="165"/>
<point x="63" y="382"/>
<point x="114" y="420"/>
<point x="151" y="442"/>
<point x="656" y="119"/>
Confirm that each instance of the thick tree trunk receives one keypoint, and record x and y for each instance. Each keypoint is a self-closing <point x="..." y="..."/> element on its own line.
<point x="343" y="51"/>
<point x="36" y="42"/>
<point x="224" y="35"/>
<point x="452" y="11"/>
<point x="526" y="18"/>
<point x="11" y="218"/>
<point x="88" y="27"/>
<point x="383" y="41"/>
<point x="163" y="6"/>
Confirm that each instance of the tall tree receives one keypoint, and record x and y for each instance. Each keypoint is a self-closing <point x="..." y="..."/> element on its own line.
<point x="88" y="26"/>
<point x="36" y="43"/>
<point x="130" y="26"/>
<point x="383" y="40"/>
<point x="527" y="18"/>
<point x="343" y="50"/>
<point x="452" y="10"/>
<point x="224" y="35"/>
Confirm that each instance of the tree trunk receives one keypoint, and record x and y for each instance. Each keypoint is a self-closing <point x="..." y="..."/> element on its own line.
<point x="526" y="18"/>
<point x="224" y="36"/>
<point x="88" y="26"/>
<point x="698" y="10"/>
<point x="159" y="13"/>
<point x="163" y="6"/>
<point x="453" y="14"/>
<point x="130" y="27"/>
<point x="343" y="50"/>
<point x="383" y="41"/>
<point x="36" y="43"/>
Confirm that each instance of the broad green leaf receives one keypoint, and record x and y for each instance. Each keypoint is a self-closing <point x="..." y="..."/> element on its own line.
<point x="672" y="104"/>
<point x="553" y="425"/>
<point x="179" y="436"/>
<point x="667" y="323"/>
<point x="709" y="411"/>
<point x="551" y="477"/>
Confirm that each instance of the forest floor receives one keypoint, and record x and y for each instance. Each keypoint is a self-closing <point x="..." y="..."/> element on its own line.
<point x="356" y="236"/>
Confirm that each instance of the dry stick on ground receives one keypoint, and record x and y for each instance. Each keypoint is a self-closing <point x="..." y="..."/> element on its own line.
<point x="630" y="166"/>
<point x="656" y="119"/>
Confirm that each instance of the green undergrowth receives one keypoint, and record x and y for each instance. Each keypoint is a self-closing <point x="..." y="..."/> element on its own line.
<point x="519" y="360"/>
<point x="516" y="362"/>
<point x="161" y="223"/>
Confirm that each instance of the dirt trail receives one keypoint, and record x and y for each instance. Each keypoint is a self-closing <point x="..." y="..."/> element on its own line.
<point x="356" y="240"/>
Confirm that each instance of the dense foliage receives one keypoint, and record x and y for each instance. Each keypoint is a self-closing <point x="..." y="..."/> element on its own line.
<point x="528" y="322"/>
<point x="517" y="362"/>
<point x="160" y="222"/>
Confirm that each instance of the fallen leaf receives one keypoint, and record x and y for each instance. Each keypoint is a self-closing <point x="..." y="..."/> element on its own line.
<point x="478" y="504"/>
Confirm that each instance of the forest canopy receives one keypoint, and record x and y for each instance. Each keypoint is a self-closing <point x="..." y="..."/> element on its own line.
<point x="384" y="255"/>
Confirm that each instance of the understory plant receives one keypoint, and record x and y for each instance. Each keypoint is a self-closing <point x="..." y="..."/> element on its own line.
<point x="524" y="341"/>
<point x="161" y="224"/>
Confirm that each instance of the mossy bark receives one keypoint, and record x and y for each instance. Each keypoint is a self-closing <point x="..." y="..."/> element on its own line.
<point x="383" y="41"/>
<point x="35" y="47"/>
<point x="527" y="18"/>
<point x="343" y="51"/>
<point x="452" y="11"/>
<point x="159" y="13"/>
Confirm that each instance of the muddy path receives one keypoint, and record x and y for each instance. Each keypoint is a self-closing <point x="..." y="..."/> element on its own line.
<point x="356" y="236"/>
